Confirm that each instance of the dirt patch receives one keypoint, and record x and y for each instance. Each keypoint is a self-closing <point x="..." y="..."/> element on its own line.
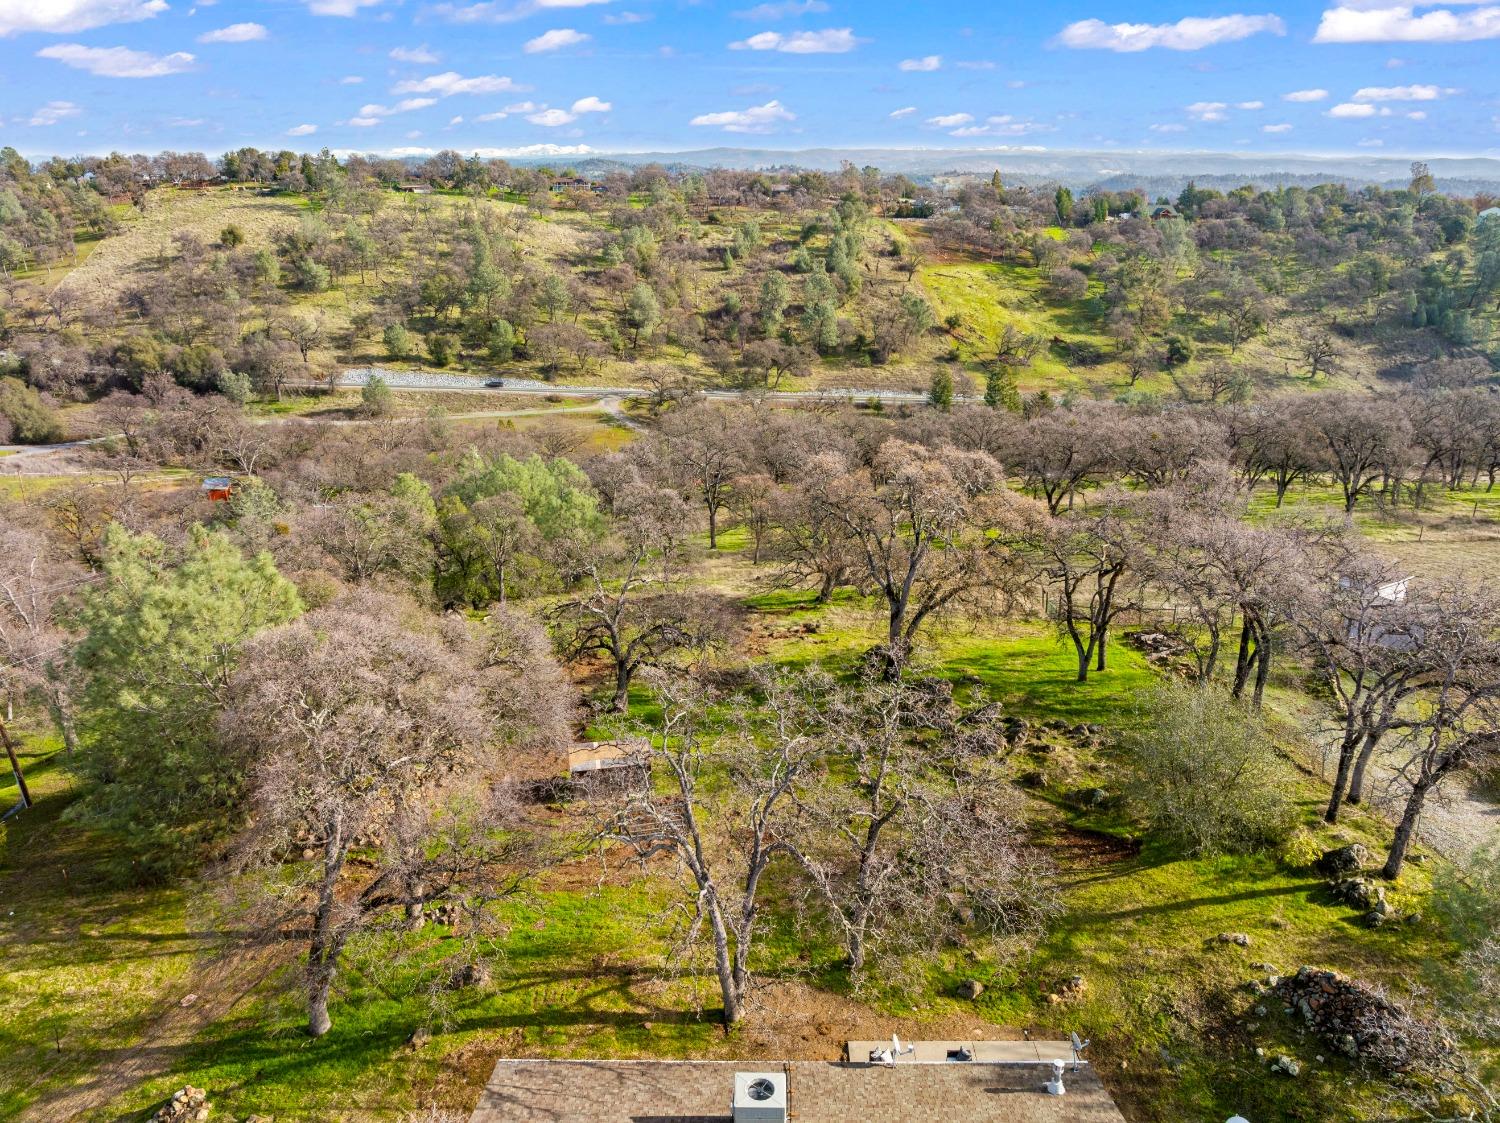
<point x="1076" y="849"/>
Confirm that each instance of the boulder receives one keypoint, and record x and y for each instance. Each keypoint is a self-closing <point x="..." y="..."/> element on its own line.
<point x="1285" y="1064"/>
<point x="1342" y="861"/>
<point x="1239" y="939"/>
<point x="970" y="989"/>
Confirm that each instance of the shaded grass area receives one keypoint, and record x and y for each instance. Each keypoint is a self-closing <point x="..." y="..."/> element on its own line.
<point x="87" y="965"/>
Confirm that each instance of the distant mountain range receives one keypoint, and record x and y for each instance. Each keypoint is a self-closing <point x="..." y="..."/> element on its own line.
<point x="1157" y="172"/>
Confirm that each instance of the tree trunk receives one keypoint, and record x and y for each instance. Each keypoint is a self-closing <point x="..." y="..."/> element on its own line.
<point x="1101" y="663"/>
<point x="713" y="527"/>
<point x="1340" y="780"/>
<point x="1263" y="669"/>
<point x="1404" y="830"/>
<point x="318" y="1022"/>
<point x="1357" y="777"/>
<point x="1085" y="659"/>
<point x="728" y="986"/>
<point x="623" y="674"/>
<point x="1243" y="661"/>
<point x="825" y="593"/>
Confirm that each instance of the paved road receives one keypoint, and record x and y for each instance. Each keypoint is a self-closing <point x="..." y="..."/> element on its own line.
<point x="432" y="380"/>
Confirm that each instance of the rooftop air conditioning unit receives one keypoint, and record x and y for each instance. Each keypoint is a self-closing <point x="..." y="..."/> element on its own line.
<point x="759" y="1097"/>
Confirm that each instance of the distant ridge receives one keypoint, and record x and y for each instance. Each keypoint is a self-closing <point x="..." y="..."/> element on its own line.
<point x="1156" y="170"/>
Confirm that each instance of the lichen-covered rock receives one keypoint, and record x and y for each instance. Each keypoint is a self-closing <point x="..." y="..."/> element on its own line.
<point x="1342" y="861"/>
<point x="970" y="989"/>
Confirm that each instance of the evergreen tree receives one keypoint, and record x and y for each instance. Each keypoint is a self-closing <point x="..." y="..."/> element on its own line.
<point x="163" y="634"/>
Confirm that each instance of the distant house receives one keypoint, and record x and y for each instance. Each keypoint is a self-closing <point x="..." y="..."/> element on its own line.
<point x="415" y="188"/>
<point x="1490" y="214"/>
<point x="217" y="489"/>
<point x="576" y="183"/>
<point x="1164" y="210"/>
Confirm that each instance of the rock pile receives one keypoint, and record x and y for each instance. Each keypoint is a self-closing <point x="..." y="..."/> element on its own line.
<point x="1361" y="1023"/>
<point x="187" y="1105"/>
<point x="1159" y="647"/>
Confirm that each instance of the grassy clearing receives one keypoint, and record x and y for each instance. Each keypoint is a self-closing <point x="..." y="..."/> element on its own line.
<point x="990" y="295"/>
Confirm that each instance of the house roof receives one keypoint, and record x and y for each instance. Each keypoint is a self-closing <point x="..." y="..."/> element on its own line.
<point x="522" y="1091"/>
<point x="217" y="483"/>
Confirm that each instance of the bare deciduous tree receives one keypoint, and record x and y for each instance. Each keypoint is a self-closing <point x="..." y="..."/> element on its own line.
<point x="370" y="727"/>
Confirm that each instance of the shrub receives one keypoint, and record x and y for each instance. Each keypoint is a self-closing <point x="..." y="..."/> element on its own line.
<point x="375" y="398"/>
<point x="440" y="349"/>
<point x="1206" y="775"/>
<point x="27" y="418"/>
<point x="397" y="341"/>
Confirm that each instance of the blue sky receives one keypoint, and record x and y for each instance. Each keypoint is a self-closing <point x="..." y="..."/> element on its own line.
<point x="513" y="77"/>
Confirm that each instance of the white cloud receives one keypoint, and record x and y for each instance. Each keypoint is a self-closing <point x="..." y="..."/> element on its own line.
<point x="1352" y="109"/>
<point x="1400" y="93"/>
<point x="235" y="33"/>
<point x="53" y="112"/>
<point x="834" y="41"/>
<point x="350" y="80"/>
<point x="786" y="9"/>
<point x="1173" y="128"/>
<point x="185" y="122"/>
<point x="591" y="105"/>
<point x="373" y="113"/>
<point x="975" y="64"/>
<point x="1400" y="23"/>
<point x="345" y="8"/>
<point x="1416" y="115"/>
<point x="117" y="62"/>
<point x="756" y="119"/>
<point x="1305" y="95"/>
<point x="450" y="82"/>
<point x="518" y="107"/>
<point x="552" y="118"/>
<point x="1371" y="143"/>
<point x="60" y="16"/>
<point x="950" y="120"/>
<point x="1190" y="34"/>
<point x="363" y="122"/>
<point x="555" y="40"/>
<point x="924" y="64"/>
<point x="1208" y="111"/>
<point x="1005" y="125"/>
<point x="906" y="111"/>
<point x="302" y="130"/>
<point x="423" y="54"/>
<point x="1249" y="105"/>
<point x="504" y="11"/>
<point x="618" y="18"/>
<point x="1281" y="128"/>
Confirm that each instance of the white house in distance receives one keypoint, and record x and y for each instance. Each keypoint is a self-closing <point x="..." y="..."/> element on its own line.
<point x="1490" y="214"/>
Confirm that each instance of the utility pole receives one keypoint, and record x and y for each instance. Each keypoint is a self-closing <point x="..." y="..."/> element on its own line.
<point x="15" y="767"/>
